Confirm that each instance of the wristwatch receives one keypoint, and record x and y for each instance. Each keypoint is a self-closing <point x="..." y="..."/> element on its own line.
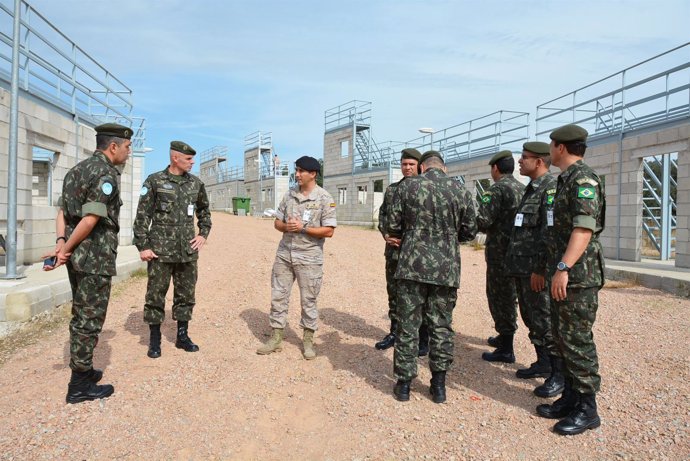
<point x="561" y="266"/>
<point x="303" y="230"/>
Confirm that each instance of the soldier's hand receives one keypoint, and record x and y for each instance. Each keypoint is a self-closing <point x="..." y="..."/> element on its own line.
<point x="147" y="255"/>
<point x="294" y="224"/>
<point x="62" y="257"/>
<point x="559" y="284"/>
<point x="197" y="242"/>
<point x="394" y="242"/>
<point x="537" y="282"/>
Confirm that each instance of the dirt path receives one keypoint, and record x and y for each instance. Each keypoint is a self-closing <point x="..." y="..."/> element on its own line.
<point x="226" y="402"/>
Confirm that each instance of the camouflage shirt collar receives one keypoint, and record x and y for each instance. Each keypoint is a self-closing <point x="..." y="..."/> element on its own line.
<point x="176" y="178"/>
<point x="570" y="170"/>
<point x="101" y="156"/>
<point x="535" y="183"/>
<point x="435" y="173"/>
<point x="313" y="195"/>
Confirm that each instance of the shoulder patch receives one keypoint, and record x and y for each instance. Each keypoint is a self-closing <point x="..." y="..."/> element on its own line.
<point x="332" y="205"/>
<point x="486" y="198"/>
<point x="550" y="191"/>
<point x="107" y="188"/>
<point x="586" y="192"/>
<point x="144" y="191"/>
<point x="589" y="181"/>
<point x="549" y="199"/>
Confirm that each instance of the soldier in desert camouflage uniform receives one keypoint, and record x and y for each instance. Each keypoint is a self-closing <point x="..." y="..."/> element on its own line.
<point x="526" y="256"/>
<point x="430" y="216"/>
<point x="164" y="235"/>
<point x="495" y="218"/>
<point x="87" y="227"/>
<point x="306" y="217"/>
<point x="576" y="265"/>
<point x="409" y="165"/>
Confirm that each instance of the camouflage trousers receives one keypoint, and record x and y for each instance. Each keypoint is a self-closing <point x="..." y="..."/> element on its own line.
<point x="434" y="304"/>
<point x="90" y="296"/>
<point x="309" y="278"/>
<point x="392" y="258"/>
<point x="535" y="310"/>
<point x="502" y="297"/>
<point x="572" y="329"/>
<point x="184" y="276"/>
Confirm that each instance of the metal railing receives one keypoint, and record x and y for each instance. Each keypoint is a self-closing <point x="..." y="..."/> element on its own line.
<point x="214" y="168"/>
<point x="55" y="69"/>
<point x="636" y="97"/>
<point x="353" y="112"/>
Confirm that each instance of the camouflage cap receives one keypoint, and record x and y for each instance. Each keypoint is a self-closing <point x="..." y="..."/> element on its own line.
<point x="113" y="129"/>
<point x="500" y="155"/>
<point x="182" y="147"/>
<point x="412" y="153"/>
<point x="537" y="148"/>
<point x="569" y="133"/>
<point x="429" y="154"/>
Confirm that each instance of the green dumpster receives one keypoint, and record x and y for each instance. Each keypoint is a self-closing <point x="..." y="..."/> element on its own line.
<point x="240" y="203"/>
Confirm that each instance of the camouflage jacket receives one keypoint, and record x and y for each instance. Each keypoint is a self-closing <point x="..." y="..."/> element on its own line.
<point x="433" y="214"/>
<point x="497" y="215"/>
<point x="165" y="216"/>
<point x="93" y="187"/>
<point x="527" y="248"/>
<point x="579" y="202"/>
<point x="384" y="210"/>
<point x="316" y="210"/>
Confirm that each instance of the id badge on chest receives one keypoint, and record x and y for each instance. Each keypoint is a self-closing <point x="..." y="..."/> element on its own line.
<point x="306" y="216"/>
<point x="549" y="218"/>
<point x="190" y="210"/>
<point x="518" y="219"/>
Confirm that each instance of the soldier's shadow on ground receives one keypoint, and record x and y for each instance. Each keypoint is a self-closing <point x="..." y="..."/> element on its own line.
<point x="490" y="380"/>
<point x="101" y="354"/>
<point x="136" y="326"/>
<point x="351" y="325"/>
<point x="257" y="322"/>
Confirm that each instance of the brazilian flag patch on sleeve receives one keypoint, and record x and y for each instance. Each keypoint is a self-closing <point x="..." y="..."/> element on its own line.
<point x="586" y="192"/>
<point x="486" y="198"/>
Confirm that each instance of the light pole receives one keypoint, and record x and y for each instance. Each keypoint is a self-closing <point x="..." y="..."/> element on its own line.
<point x="430" y="132"/>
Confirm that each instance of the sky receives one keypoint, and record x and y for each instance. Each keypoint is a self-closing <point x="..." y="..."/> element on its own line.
<point x="210" y="72"/>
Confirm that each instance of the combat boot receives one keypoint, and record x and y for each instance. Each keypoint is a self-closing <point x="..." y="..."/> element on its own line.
<point x="423" y="341"/>
<point x="401" y="391"/>
<point x="562" y="406"/>
<point x="308" y="343"/>
<point x="81" y="388"/>
<point x="555" y="383"/>
<point x="388" y="341"/>
<point x="503" y="353"/>
<point x="540" y="368"/>
<point x="583" y="417"/>
<point x="183" y="340"/>
<point x="94" y="375"/>
<point x="274" y="344"/>
<point x="154" y="341"/>
<point x="494" y="341"/>
<point x="438" y="386"/>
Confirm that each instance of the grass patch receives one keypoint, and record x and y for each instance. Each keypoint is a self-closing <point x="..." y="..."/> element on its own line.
<point x="616" y="284"/>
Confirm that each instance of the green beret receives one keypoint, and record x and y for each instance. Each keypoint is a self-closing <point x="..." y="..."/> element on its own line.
<point x="536" y="147"/>
<point x="569" y="133"/>
<point x="431" y="153"/>
<point x="113" y="129"/>
<point x="182" y="147"/>
<point x="499" y="155"/>
<point x="412" y="153"/>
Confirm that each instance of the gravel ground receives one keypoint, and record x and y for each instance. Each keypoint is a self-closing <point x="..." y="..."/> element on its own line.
<point x="226" y="402"/>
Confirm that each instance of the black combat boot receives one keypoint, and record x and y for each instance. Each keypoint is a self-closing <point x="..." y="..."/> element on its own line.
<point x="438" y="386"/>
<point x="183" y="340"/>
<point x="154" y="341"/>
<point x="388" y="341"/>
<point x="494" y="341"/>
<point x="540" y="368"/>
<point x="555" y="383"/>
<point x="562" y="406"/>
<point x="583" y="417"/>
<point x="423" y="341"/>
<point x="94" y="375"/>
<point x="503" y="353"/>
<point x="401" y="391"/>
<point x="81" y="388"/>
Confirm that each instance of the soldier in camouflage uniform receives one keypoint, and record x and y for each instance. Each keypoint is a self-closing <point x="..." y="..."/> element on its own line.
<point x="409" y="164"/>
<point x="87" y="227"/>
<point x="576" y="265"/>
<point x="495" y="218"/>
<point x="430" y="215"/>
<point x="164" y="235"/>
<point x="526" y="256"/>
<point x="306" y="217"/>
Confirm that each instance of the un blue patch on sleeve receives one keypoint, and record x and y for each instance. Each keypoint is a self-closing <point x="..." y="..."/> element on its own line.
<point x="107" y="188"/>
